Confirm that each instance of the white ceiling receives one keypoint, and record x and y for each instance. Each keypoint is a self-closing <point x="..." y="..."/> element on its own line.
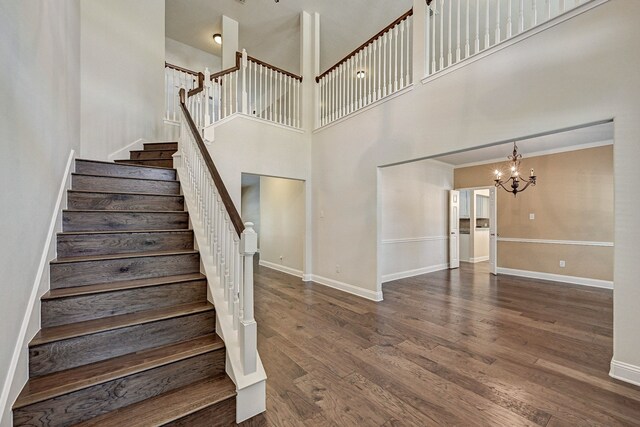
<point x="270" y="31"/>
<point x="562" y="141"/>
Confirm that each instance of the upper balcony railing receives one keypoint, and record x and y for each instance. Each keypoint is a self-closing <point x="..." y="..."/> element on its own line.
<point x="251" y="87"/>
<point x="379" y="67"/>
<point x="457" y="30"/>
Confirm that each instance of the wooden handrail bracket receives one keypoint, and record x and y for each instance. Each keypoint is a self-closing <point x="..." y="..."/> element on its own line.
<point x="235" y="217"/>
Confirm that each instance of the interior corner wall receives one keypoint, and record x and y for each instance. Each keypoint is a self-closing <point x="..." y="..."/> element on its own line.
<point x="189" y="57"/>
<point x="282" y="223"/>
<point x="414" y="199"/>
<point x="39" y="126"/>
<point x="572" y="201"/>
<point x="122" y="46"/>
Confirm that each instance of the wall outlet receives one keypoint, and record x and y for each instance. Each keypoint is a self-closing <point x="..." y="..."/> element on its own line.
<point x="562" y="264"/>
<point x="532" y="216"/>
<point x="337" y="268"/>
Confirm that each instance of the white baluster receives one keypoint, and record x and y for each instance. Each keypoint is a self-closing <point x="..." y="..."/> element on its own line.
<point x="379" y="68"/>
<point x="238" y="279"/>
<point x="391" y="41"/>
<point x="535" y="12"/>
<point x="230" y="266"/>
<point x="369" y="72"/>
<point x="402" y="25"/>
<point x="477" y="41"/>
<point x="248" y="327"/>
<point x="409" y="53"/>
<point x="497" y="40"/>
<point x="467" y="46"/>
<point x="458" y="50"/>
<point x="385" y="38"/>
<point x="434" y="23"/>
<point x="376" y="70"/>
<point x="441" y="35"/>
<point x="562" y="6"/>
<point x="487" y="36"/>
<point x="245" y="99"/>
<point x="450" y="41"/>
<point x="548" y="9"/>
<point x="521" y="17"/>
<point x="509" y="23"/>
<point x="395" y="62"/>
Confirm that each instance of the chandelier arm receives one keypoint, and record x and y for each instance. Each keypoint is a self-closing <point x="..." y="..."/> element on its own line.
<point x="528" y="183"/>
<point x="502" y="185"/>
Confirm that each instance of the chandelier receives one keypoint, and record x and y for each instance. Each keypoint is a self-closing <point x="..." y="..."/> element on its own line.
<point x="515" y="178"/>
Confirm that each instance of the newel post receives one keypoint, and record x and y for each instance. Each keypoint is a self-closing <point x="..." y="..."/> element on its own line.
<point x="248" y="331"/>
<point x="206" y="94"/>
<point x="245" y="99"/>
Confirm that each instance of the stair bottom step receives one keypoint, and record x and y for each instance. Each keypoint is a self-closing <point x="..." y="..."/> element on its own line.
<point x="209" y="402"/>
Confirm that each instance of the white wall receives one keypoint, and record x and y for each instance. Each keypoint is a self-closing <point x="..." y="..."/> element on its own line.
<point x="189" y="57"/>
<point x="581" y="71"/>
<point x="39" y="126"/>
<point x="246" y="145"/>
<point x="414" y="205"/>
<point x="282" y="224"/>
<point x="122" y="76"/>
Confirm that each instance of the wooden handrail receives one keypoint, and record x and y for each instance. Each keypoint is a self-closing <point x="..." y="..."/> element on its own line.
<point x="200" y="87"/>
<point x="363" y="45"/>
<point x="228" y="70"/>
<point x="274" y="68"/>
<point x="236" y="219"/>
<point x="178" y="68"/>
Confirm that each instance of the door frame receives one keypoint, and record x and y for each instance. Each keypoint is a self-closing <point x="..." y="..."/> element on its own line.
<point x="493" y="219"/>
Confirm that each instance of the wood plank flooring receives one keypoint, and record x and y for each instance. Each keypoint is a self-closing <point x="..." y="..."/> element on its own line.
<point x="448" y="348"/>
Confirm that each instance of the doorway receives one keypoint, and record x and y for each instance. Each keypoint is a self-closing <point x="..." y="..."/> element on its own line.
<point x="471" y="231"/>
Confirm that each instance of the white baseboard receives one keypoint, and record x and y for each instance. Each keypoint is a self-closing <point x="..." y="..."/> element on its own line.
<point x="307" y="277"/>
<point x="123" y="153"/>
<point x="346" y="287"/>
<point x="585" y="281"/>
<point x="18" y="370"/>
<point x="625" y="372"/>
<point x="479" y="259"/>
<point x="281" y="268"/>
<point x="411" y="273"/>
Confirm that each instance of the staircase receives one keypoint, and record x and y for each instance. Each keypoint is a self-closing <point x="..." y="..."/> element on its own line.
<point x="128" y="336"/>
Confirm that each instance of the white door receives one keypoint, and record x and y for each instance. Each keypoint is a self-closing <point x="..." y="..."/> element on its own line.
<point x="493" y="231"/>
<point x="454" y="229"/>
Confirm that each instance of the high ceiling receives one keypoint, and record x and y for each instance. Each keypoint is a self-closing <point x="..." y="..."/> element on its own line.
<point x="270" y="31"/>
<point x="561" y="141"/>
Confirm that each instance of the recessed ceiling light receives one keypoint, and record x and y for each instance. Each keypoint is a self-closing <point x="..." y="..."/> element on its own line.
<point x="361" y="74"/>
<point x="217" y="38"/>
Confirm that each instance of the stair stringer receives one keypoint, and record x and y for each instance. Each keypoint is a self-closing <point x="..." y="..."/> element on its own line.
<point x="251" y="389"/>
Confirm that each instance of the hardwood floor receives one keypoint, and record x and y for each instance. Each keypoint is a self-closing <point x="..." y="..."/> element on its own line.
<point x="449" y="348"/>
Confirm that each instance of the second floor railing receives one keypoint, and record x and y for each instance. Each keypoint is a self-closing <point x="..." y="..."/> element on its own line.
<point x="459" y="29"/>
<point x="176" y="77"/>
<point x="251" y="87"/>
<point x="378" y="68"/>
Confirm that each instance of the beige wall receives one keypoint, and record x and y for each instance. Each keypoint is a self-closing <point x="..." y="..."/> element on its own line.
<point x="573" y="200"/>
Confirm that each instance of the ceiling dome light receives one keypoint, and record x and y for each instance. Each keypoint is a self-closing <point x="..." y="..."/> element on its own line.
<point x="361" y="74"/>
<point x="217" y="38"/>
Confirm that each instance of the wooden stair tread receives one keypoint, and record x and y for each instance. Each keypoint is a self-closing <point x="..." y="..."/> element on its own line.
<point x="125" y="164"/>
<point x="120" y="286"/>
<point x="169" y="406"/>
<point x="153" y="159"/>
<point x="59" y="383"/>
<point x="121" y="211"/>
<point x="125" y="193"/>
<point x="73" y="330"/>
<point x="151" y="150"/>
<point x="126" y="177"/>
<point x="121" y="256"/>
<point x="169" y="230"/>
